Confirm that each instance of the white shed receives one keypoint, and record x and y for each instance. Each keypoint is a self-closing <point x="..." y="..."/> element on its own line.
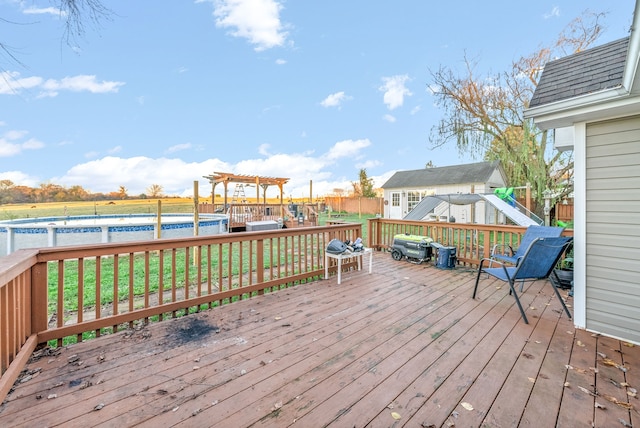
<point x="405" y="189"/>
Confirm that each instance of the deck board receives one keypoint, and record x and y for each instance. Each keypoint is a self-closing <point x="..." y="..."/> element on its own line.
<point x="403" y="346"/>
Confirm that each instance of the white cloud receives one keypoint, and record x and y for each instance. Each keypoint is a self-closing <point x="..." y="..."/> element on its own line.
<point x="395" y="90"/>
<point x="20" y="178"/>
<point x="258" y="21"/>
<point x="389" y="118"/>
<point x="415" y="110"/>
<point x="114" y="150"/>
<point x="555" y="11"/>
<point x="281" y="61"/>
<point x="12" y="83"/>
<point x="335" y="100"/>
<point x="368" y="164"/>
<point x="138" y="173"/>
<point x="347" y="148"/>
<point x="177" y="176"/>
<point x="13" y="143"/>
<point x="433" y="89"/>
<point x="178" y="148"/>
<point x="44" y="11"/>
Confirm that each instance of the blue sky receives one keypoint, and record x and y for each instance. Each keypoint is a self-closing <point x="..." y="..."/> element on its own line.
<point x="166" y="92"/>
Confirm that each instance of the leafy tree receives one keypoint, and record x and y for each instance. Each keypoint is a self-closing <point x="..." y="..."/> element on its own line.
<point x="484" y="113"/>
<point x="363" y="187"/>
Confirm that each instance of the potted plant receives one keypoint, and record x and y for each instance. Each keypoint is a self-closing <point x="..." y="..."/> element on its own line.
<point x="563" y="277"/>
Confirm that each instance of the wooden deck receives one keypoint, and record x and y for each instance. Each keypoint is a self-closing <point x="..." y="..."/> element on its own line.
<point x="404" y="346"/>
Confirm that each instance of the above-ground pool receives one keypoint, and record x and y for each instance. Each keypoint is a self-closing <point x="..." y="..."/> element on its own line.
<point x="96" y="229"/>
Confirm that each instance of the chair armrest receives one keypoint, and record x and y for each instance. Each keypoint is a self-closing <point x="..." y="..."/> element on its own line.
<point x="503" y="248"/>
<point x="490" y="262"/>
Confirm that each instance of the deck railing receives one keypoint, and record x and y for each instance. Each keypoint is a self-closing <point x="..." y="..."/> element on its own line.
<point x="472" y="241"/>
<point x="66" y="294"/>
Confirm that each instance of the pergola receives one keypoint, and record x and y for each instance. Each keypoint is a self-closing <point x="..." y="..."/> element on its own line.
<point x="260" y="182"/>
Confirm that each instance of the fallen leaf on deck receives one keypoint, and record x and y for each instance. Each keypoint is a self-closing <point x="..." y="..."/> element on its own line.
<point x="614" y="400"/>
<point x="567" y="384"/>
<point x="99" y="406"/>
<point x="579" y="343"/>
<point x="611" y="363"/>
<point x="395" y="415"/>
<point x="467" y="406"/>
<point x="625" y="423"/>
<point x="600" y="406"/>
<point x="628" y="345"/>
<point x="278" y="318"/>
<point x="586" y="391"/>
<point x="532" y="379"/>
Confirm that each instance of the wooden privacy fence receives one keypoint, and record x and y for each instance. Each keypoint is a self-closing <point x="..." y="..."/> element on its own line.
<point x="64" y="294"/>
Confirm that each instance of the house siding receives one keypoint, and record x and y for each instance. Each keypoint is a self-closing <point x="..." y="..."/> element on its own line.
<point x="613" y="228"/>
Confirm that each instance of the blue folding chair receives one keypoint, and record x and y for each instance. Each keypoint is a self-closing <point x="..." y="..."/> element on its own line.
<point x="538" y="262"/>
<point x="506" y="253"/>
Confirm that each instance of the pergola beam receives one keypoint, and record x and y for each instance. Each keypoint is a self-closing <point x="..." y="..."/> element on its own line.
<point x="225" y="178"/>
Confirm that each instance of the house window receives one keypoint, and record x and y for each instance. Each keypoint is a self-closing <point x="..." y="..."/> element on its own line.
<point x="413" y="198"/>
<point x="395" y="199"/>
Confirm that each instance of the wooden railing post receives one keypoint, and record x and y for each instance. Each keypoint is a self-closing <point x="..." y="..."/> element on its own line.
<point x="260" y="261"/>
<point x="39" y="298"/>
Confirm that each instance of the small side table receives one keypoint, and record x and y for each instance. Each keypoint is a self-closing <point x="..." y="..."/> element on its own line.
<point x="358" y="254"/>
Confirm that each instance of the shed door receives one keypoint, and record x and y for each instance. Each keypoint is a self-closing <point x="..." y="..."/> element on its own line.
<point x="395" y="210"/>
<point x="613" y="228"/>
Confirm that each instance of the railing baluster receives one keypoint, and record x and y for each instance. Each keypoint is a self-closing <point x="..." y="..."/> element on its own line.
<point x="80" y="304"/>
<point x="98" y="285"/>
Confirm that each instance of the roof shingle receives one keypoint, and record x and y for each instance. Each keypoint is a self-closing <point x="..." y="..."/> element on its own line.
<point x="582" y="73"/>
<point x="456" y="174"/>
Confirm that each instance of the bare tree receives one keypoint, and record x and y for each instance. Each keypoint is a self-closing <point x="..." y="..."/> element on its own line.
<point x="154" y="191"/>
<point x="483" y="114"/>
<point x="123" y="192"/>
<point x="77" y="15"/>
